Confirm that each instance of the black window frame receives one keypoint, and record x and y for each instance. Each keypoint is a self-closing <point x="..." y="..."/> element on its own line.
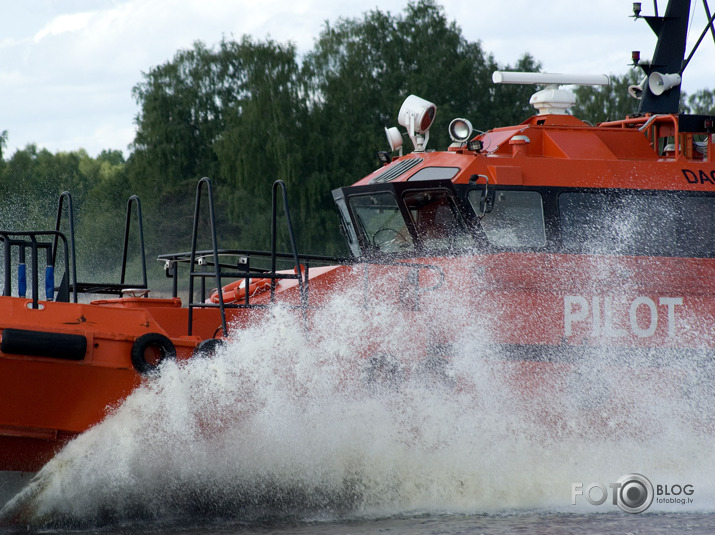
<point x="550" y="202"/>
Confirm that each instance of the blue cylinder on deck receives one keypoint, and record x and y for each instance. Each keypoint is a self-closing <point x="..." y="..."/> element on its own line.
<point x="21" y="280"/>
<point x="50" y="283"/>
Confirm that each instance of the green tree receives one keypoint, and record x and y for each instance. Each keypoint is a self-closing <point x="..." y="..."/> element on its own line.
<point x="32" y="181"/>
<point x="613" y="102"/>
<point x="357" y="77"/>
<point x="263" y="133"/>
<point x="181" y="115"/>
<point x="597" y="104"/>
<point x="701" y="102"/>
<point x="3" y="144"/>
<point x="247" y="113"/>
<point x="227" y="112"/>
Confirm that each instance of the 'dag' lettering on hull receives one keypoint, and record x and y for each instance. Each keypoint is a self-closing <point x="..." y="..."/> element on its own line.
<point x="701" y="177"/>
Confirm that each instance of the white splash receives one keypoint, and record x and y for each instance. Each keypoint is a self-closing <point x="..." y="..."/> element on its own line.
<point x="292" y="422"/>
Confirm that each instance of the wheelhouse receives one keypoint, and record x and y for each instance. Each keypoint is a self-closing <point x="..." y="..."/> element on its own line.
<point x="438" y="217"/>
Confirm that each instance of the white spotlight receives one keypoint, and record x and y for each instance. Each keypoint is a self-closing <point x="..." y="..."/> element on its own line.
<point x="394" y="138"/>
<point x="417" y="115"/>
<point x="460" y="130"/>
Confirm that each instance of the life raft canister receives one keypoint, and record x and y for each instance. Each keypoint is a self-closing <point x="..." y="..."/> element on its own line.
<point x="237" y="290"/>
<point x="155" y="342"/>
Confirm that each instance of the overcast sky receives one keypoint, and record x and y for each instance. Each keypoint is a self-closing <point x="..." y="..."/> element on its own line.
<point x="67" y="67"/>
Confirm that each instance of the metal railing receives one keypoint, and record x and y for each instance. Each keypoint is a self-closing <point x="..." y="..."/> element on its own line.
<point x="103" y="287"/>
<point x="32" y="240"/>
<point x="16" y="243"/>
<point x="217" y="265"/>
<point x="212" y="264"/>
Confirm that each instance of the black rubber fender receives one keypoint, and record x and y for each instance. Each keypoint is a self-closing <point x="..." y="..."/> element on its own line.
<point x="43" y="344"/>
<point x="208" y="347"/>
<point x="151" y="340"/>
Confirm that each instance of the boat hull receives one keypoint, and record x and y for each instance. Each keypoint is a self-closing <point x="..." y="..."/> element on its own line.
<point x="594" y="339"/>
<point x="54" y="390"/>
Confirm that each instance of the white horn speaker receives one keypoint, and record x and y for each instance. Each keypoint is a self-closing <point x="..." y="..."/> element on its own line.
<point x="660" y="83"/>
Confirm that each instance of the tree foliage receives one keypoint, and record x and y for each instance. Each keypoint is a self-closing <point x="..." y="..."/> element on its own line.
<point x="700" y="102"/>
<point x="612" y="102"/>
<point x="3" y="144"/>
<point x="597" y="104"/>
<point x="247" y="113"/>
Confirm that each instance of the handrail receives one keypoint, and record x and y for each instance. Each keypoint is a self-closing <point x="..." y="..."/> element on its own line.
<point x="100" y="287"/>
<point x="73" y="272"/>
<point x="648" y="119"/>
<point x="646" y="122"/>
<point x="134" y="199"/>
<point x="217" y="273"/>
<point x="184" y="256"/>
<point x="302" y="280"/>
<point x="217" y="268"/>
<point x="213" y="268"/>
<point x="10" y="239"/>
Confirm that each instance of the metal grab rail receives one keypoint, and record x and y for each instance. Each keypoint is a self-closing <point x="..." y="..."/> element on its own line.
<point x="108" y="288"/>
<point x="134" y="199"/>
<point x="197" y="258"/>
<point x="205" y="181"/>
<point x="207" y="264"/>
<point x="23" y="240"/>
<point x="302" y="278"/>
<point x="58" y="221"/>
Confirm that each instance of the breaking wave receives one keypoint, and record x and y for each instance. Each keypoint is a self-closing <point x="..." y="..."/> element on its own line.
<point x="342" y="420"/>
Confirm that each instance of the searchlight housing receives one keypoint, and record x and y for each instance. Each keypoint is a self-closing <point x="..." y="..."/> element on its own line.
<point x="460" y="130"/>
<point x="417" y="115"/>
<point x="394" y="139"/>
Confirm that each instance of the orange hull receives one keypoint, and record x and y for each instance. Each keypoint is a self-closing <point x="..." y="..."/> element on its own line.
<point x="50" y="397"/>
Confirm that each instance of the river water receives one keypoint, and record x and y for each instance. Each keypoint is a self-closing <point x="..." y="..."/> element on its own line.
<point x="274" y="434"/>
<point x="538" y="523"/>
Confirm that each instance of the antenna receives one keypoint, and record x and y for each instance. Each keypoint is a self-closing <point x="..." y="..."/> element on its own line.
<point x="551" y="100"/>
<point x="508" y="77"/>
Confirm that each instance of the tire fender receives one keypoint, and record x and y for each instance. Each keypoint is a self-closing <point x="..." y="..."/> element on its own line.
<point x="148" y="341"/>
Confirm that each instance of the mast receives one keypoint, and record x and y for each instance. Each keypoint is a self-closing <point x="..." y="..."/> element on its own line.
<point x="672" y="30"/>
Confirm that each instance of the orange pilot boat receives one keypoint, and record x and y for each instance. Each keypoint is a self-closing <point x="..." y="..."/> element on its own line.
<point x="567" y="240"/>
<point x="571" y="238"/>
<point x="66" y="357"/>
<point x="64" y="361"/>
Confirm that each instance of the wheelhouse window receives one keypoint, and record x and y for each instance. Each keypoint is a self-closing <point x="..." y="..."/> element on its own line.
<point x="437" y="220"/>
<point x="638" y="223"/>
<point x="381" y="223"/>
<point x="347" y="226"/>
<point x="434" y="173"/>
<point x="512" y="219"/>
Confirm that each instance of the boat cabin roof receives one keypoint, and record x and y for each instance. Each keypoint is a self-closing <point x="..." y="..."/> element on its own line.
<point x="659" y="152"/>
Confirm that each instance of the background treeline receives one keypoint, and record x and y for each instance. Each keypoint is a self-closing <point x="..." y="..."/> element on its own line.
<point x="248" y="112"/>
